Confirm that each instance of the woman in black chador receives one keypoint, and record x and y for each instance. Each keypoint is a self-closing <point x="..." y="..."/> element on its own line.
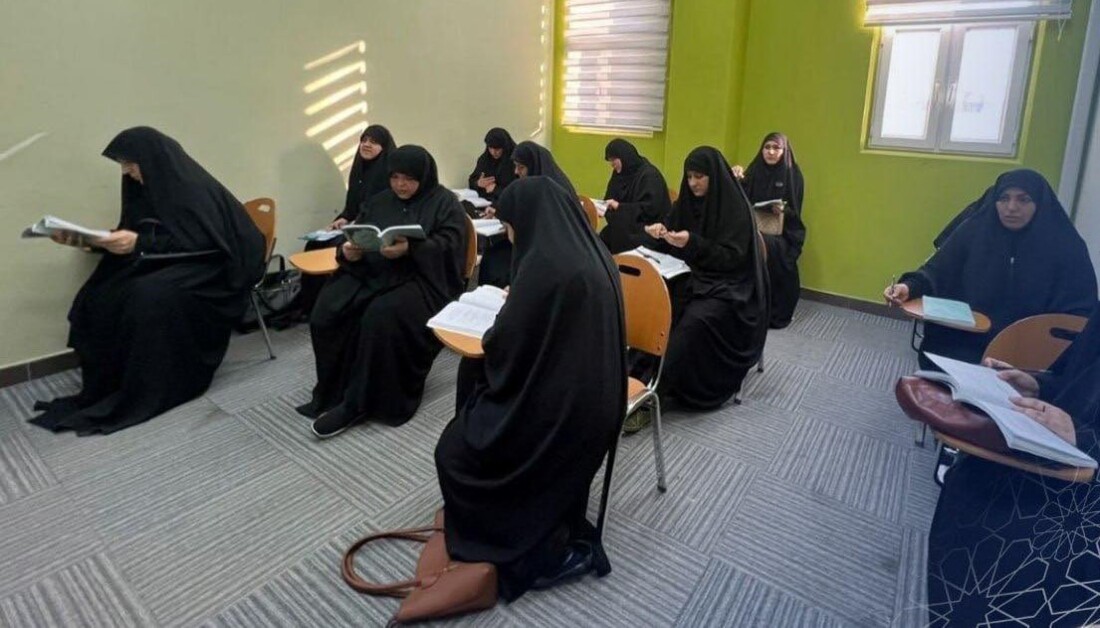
<point x="720" y="309"/>
<point x="1015" y="256"/>
<point x="492" y="174"/>
<point x="1009" y="547"/>
<point x="543" y="406"/>
<point x="152" y="323"/>
<point x="774" y="175"/>
<point x="370" y="342"/>
<point x="636" y="195"/>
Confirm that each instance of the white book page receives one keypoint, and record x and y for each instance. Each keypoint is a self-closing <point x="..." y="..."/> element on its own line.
<point x="488" y="297"/>
<point x="52" y="224"/>
<point x="1023" y="433"/>
<point x="463" y="318"/>
<point x="488" y="226"/>
<point x="975" y="383"/>
<point x="667" y="265"/>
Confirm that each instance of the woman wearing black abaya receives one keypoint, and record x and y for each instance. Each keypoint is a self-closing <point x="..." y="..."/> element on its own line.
<point x="529" y="160"/>
<point x="516" y="463"/>
<point x="719" y="310"/>
<point x="1017" y="256"/>
<point x="774" y="175"/>
<point x="369" y="175"/>
<point x="372" y="348"/>
<point x="1007" y="546"/>
<point x="493" y="172"/>
<point x="149" y="330"/>
<point x="637" y="195"/>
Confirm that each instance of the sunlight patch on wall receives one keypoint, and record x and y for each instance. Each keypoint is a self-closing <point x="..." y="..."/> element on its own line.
<point x="339" y="113"/>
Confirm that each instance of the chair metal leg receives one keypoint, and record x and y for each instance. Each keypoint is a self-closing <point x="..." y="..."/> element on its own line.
<point x="608" y="477"/>
<point x="922" y="432"/>
<point x="658" y="447"/>
<point x="263" y="325"/>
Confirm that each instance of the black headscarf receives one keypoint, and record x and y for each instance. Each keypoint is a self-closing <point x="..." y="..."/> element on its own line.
<point x="764" y="182"/>
<point x="502" y="169"/>
<point x="368" y="177"/>
<point x="641" y="192"/>
<point x="1009" y="275"/>
<point x="518" y="459"/>
<point x="621" y="182"/>
<point x="540" y="163"/>
<point x="187" y="201"/>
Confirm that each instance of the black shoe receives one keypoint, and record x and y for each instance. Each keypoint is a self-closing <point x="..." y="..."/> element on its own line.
<point x="308" y="410"/>
<point x="333" y="422"/>
<point x="576" y="563"/>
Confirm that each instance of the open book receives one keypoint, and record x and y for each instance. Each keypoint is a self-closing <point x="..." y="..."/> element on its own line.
<point x="371" y="238"/>
<point x="472" y="314"/>
<point x="980" y="387"/>
<point x="472" y="197"/>
<point x="488" y="226"/>
<point x="667" y="265"/>
<point x="321" y="235"/>
<point x="601" y="206"/>
<point x="947" y="311"/>
<point x="50" y="225"/>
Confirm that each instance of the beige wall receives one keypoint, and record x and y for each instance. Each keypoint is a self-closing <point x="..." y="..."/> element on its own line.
<point x="227" y="79"/>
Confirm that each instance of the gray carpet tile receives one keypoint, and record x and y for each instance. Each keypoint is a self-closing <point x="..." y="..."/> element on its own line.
<point x="867" y="367"/>
<point x="704" y="488"/>
<point x="921" y="492"/>
<point x="899" y="325"/>
<point x="890" y="337"/>
<point x="817" y="322"/>
<point x="794" y="348"/>
<point x="18" y="400"/>
<point x="22" y="470"/>
<point x="910" y="602"/>
<point x="728" y="597"/>
<point x="89" y="592"/>
<point x="863" y="472"/>
<point x="874" y="413"/>
<point x="247" y="377"/>
<point x="781" y="385"/>
<point x="415" y="509"/>
<point x="819" y="550"/>
<point x="41" y="534"/>
<point x="190" y="567"/>
<point x="751" y="433"/>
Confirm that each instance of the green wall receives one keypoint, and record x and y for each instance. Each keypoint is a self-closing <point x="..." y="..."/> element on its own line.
<point x="802" y="67"/>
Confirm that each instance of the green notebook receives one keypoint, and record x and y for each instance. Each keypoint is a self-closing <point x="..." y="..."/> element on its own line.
<point x="948" y="311"/>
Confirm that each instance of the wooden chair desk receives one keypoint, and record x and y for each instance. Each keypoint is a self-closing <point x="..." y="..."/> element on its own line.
<point x="318" y="262"/>
<point x="466" y="346"/>
<point x="915" y="308"/>
<point x="1068" y="474"/>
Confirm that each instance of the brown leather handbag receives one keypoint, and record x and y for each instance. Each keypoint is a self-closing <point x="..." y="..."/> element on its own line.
<point x="442" y="587"/>
<point x="931" y="402"/>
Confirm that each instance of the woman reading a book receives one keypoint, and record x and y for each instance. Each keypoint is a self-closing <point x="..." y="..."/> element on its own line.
<point x="372" y="349"/>
<point x="636" y="196"/>
<point x="1017" y="256"/>
<point x="492" y="174"/>
<point x="774" y="175"/>
<point x="1017" y="546"/>
<point x="719" y="310"/>
<point x="539" y="412"/>
<point x="369" y="175"/>
<point x="152" y="323"/>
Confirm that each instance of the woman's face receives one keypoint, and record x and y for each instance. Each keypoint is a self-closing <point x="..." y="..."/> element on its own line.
<point x="616" y="164"/>
<point x="1015" y="208"/>
<point x="772" y="152"/>
<point x="698" y="182"/>
<point x="132" y="170"/>
<point x="403" y="185"/>
<point x="369" y="149"/>
<point x="521" y="170"/>
<point x="495" y="153"/>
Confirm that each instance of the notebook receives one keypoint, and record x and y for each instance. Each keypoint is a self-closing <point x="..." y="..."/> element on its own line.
<point x="321" y="235"/>
<point x="667" y="265"/>
<point x="371" y="238"/>
<point x="472" y="314"/>
<point x="947" y="311"/>
<point x="50" y="225"/>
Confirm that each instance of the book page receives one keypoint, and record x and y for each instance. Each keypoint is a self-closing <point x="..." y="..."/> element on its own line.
<point x="667" y="265"/>
<point x="463" y="318"/>
<point x="1023" y="433"/>
<point x="488" y="226"/>
<point x="487" y="297"/>
<point x="975" y="383"/>
<point x="50" y="225"/>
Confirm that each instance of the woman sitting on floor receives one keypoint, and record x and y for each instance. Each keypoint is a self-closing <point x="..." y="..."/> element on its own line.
<point x="537" y="415"/>
<point x="1016" y="256"/>
<point x="636" y="196"/>
<point x="370" y="343"/>
<point x="152" y="323"/>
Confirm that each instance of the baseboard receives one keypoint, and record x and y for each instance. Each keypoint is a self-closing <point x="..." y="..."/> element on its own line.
<point x="40" y="367"/>
<point x="848" y="303"/>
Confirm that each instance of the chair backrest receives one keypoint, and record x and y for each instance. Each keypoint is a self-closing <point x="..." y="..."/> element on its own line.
<point x="262" y="212"/>
<point x="471" y="249"/>
<point x="647" y="304"/>
<point x="673" y="194"/>
<point x="590" y="211"/>
<point x="1030" y="343"/>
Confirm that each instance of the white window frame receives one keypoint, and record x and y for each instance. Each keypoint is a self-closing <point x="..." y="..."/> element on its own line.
<point x="949" y="63"/>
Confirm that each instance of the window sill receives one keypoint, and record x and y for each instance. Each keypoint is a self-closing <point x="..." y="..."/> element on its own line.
<point x="920" y="154"/>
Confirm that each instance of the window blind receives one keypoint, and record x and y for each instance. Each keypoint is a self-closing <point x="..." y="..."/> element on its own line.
<point x="905" y="12"/>
<point x="616" y="57"/>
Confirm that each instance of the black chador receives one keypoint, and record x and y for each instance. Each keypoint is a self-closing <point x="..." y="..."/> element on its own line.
<point x="642" y="195"/>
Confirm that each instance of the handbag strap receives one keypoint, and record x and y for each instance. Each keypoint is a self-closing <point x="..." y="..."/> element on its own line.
<point x="393" y="589"/>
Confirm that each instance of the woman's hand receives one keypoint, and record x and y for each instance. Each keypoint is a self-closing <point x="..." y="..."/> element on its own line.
<point x="738" y="172"/>
<point x="120" y="242"/>
<point x="68" y="238"/>
<point x="352" y="253"/>
<point x="612" y="204"/>
<point x="656" y="231"/>
<point x="339" y="223"/>
<point x="485" y="182"/>
<point x="1023" y="382"/>
<point x="777" y="208"/>
<point x="1051" y="417"/>
<point x="490" y="212"/>
<point x="678" y="239"/>
<point x="896" y="294"/>
<point x="399" y="248"/>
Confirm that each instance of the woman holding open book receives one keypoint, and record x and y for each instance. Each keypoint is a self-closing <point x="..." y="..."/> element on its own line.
<point x="1013" y="546"/>
<point x="774" y="175"/>
<point x="636" y="196"/>
<point x="152" y="323"/>
<point x="540" y="411"/>
<point x="372" y="349"/>
<point x="1018" y="255"/>
<point x="719" y="310"/>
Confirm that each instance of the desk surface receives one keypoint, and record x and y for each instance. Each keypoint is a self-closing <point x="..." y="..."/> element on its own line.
<point x="318" y="262"/>
<point x="1068" y="474"/>
<point x="466" y="346"/>
<point x="915" y="308"/>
